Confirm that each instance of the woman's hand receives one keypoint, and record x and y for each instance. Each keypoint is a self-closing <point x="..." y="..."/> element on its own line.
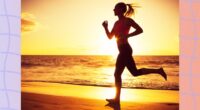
<point x="108" y="33"/>
<point x="105" y="24"/>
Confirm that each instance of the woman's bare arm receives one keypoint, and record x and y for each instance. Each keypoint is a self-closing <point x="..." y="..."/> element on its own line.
<point x="138" y="29"/>
<point x="108" y="33"/>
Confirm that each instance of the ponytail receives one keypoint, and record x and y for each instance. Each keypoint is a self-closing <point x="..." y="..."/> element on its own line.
<point x="130" y="10"/>
<point x="126" y="9"/>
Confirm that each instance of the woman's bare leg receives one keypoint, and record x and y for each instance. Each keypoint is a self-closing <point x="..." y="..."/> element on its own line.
<point x="120" y="65"/>
<point x="118" y="81"/>
<point x="143" y="71"/>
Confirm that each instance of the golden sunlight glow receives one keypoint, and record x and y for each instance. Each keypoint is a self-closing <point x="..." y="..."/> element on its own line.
<point x="108" y="47"/>
<point x="74" y="27"/>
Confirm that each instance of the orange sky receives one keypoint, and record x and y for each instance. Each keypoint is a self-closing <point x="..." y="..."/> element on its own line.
<point x="73" y="27"/>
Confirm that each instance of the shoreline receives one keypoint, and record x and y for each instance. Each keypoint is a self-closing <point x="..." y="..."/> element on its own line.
<point x="98" y="85"/>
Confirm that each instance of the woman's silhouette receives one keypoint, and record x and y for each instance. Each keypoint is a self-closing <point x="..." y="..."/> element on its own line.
<point x="121" y="32"/>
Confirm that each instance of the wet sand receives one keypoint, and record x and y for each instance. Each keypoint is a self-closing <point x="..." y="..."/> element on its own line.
<point x="53" y="96"/>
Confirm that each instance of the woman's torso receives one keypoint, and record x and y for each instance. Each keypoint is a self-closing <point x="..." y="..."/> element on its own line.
<point x="121" y="30"/>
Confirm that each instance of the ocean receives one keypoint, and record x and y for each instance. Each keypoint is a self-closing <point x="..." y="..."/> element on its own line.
<point x="98" y="71"/>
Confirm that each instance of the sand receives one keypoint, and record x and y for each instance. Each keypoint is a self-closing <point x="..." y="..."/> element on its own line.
<point x="53" y="96"/>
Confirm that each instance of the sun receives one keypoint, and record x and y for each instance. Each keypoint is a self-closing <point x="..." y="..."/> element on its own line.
<point x="108" y="47"/>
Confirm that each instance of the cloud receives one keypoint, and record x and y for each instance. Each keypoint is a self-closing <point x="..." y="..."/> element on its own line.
<point x="28" y="22"/>
<point x="27" y="25"/>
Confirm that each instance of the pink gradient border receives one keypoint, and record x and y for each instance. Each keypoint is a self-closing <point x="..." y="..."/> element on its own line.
<point x="189" y="54"/>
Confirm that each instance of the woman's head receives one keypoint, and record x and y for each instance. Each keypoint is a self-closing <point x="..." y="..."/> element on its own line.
<point x="121" y="9"/>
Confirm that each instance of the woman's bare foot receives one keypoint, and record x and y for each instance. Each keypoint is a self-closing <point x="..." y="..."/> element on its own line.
<point x="113" y="101"/>
<point x="162" y="73"/>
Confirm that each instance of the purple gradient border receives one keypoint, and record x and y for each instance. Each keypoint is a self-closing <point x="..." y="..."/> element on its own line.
<point x="10" y="58"/>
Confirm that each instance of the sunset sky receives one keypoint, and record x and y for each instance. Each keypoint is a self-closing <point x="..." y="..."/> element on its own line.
<point x="73" y="27"/>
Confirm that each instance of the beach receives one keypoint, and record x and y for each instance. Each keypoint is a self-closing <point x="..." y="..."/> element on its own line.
<point x="52" y="96"/>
